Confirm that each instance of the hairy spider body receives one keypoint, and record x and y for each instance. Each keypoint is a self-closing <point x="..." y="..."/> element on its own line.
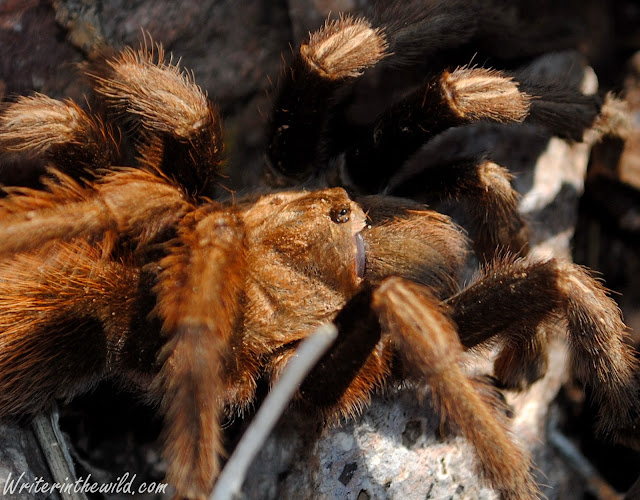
<point x="193" y="300"/>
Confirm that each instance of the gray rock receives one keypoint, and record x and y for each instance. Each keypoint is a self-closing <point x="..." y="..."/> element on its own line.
<point x="21" y="463"/>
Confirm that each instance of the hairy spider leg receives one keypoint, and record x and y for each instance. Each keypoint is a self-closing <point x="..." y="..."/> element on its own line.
<point x="426" y="340"/>
<point x="177" y="129"/>
<point x="511" y="297"/>
<point x="63" y="296"/>
<point x="441" y="32"/>
<point x="338" y="53"/>
<point x="484" y="189"/>
<point x="334" y="55"/>
<point x="354" y="367"/>
<point x="561" y="109"/>
<point x="403" y="321"/>
<point x="123" y="201"/>
<point x="60" y="133"/>
<point x="448" y="100"/>
<point x="198" y="293"/>
<point x="66" y="317"/>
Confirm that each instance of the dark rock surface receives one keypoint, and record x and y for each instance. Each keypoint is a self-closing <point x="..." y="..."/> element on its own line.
<point x="21" y="462"/>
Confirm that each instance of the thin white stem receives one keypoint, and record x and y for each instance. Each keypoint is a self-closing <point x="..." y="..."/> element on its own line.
<point x="56" y="452"/>
<point x="232" y="476"/>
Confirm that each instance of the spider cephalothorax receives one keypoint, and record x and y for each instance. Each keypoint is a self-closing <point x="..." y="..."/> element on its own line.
<point x="192" y="300"/>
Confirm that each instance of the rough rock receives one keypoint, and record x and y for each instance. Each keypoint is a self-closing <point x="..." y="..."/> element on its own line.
<point x="395" y="450"/>
<point x="21" y="462"/>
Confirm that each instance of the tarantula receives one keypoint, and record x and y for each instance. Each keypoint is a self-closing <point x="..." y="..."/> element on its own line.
<point x="135" y="274"/>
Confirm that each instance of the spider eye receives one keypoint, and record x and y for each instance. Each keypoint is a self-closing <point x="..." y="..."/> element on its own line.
<point x="340" y="215"/>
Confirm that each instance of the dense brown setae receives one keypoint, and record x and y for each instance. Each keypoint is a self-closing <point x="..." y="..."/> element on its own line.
<point x="137" y="274"/>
